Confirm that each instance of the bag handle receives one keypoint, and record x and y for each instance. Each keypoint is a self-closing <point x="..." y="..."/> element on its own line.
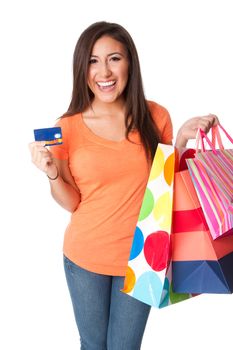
<point x="199" y="139"/>
<point x="216" y="135"/>
<point x="201" y="135"/>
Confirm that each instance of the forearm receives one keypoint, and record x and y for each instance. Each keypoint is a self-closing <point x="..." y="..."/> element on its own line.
<point x="64" y="194"/>
<point x="181" y="140"/>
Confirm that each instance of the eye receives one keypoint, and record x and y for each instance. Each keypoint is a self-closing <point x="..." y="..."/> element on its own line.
<point x="92" y="60"/>
<point x="115" y="58"/>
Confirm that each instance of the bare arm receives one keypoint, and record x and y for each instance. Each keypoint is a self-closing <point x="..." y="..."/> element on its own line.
<point x="189" y="129"/>
<point x="63" y="188"/>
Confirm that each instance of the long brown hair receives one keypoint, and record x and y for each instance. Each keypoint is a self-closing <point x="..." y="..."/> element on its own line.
<point x="138" y="115"/>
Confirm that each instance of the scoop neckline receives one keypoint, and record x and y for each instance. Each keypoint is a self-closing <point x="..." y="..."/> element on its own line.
<point x="101" y="139"/>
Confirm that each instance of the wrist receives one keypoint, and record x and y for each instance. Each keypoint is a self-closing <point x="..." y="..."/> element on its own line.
<point x="181" y="140"/>
<point x="53" y="175"/>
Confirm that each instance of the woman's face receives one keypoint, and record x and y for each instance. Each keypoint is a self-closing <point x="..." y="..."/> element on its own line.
<point x="108" y="70"/>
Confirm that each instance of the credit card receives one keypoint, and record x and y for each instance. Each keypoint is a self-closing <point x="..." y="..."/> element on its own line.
<point x="52" y="136"/>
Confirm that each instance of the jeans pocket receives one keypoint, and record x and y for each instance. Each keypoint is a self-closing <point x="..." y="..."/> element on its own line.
<point x="71" y="267"/>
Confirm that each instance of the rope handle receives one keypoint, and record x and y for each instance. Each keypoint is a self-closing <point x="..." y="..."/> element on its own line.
<point x="216" y="137"/>
<point x="201" y="135"/>
<point x="215" y="131"/>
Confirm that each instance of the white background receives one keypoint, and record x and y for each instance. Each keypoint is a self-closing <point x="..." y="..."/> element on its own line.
<point x="185" y="49"/>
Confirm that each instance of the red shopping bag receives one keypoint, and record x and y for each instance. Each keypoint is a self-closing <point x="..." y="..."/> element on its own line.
<point x="199" y="263"/>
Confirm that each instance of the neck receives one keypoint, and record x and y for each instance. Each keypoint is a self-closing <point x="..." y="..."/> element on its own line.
<point x="102" y="108"/>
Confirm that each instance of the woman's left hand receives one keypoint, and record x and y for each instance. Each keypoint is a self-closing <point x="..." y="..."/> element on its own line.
<point x="189" y="129"/>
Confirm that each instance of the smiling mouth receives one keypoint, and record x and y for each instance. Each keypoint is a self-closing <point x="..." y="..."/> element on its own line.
<point x="106" y="85"/>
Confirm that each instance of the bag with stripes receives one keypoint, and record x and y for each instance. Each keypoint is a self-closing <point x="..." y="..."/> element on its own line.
<point x="212" y="175"/>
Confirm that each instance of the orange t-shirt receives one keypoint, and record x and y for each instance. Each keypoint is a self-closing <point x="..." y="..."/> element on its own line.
<point x="112" y="178"/>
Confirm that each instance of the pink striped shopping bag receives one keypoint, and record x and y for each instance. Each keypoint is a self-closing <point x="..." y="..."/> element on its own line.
<point x="212" y="175"/>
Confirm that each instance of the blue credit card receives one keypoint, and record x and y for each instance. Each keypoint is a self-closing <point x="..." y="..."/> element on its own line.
<point x="52" y="136"/>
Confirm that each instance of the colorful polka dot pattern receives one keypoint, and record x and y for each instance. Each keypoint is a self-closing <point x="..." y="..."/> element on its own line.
<point x="148" y="276"/>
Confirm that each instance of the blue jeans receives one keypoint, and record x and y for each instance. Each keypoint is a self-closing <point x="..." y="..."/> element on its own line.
<point x="107" y="319"/>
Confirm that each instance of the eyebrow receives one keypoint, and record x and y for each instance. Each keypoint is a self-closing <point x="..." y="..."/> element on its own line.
<point x="110" y="54"/>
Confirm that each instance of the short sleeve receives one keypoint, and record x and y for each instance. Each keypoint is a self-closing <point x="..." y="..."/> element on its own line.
<point x="62" y="151"/>
<point x="162" y="121"/>
<point x="167" y="132"/>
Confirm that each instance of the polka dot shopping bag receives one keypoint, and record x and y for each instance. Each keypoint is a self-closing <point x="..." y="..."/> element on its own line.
<point x="148" y="276"/>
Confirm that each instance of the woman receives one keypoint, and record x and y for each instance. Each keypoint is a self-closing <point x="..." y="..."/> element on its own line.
<point x="99" y="174"/>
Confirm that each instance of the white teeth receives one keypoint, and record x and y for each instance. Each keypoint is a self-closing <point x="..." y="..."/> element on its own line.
<point x="106" y="83"/>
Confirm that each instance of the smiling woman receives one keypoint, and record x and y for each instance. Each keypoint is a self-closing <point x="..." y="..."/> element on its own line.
<point x="108" y="71"/>
<point x="105" y="53"/>
<point x="107" y="79"/>
<point x="99" y="173"/>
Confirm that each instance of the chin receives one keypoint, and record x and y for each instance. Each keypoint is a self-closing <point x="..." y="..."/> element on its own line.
<point x="109" y="99"/>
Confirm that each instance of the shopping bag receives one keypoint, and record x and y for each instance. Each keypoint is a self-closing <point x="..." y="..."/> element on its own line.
<point x="200" y="264"/>
<point x="218" y="162"/>
<point x="212" y="176"/>
<point x="148" y="276"/>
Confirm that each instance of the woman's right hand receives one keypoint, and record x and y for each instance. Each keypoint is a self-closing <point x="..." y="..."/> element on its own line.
<point x="64" y="190"/>
<point x="42" y="158"/>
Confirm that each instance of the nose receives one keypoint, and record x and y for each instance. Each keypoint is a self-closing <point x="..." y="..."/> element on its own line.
<point x="105" y="70"/>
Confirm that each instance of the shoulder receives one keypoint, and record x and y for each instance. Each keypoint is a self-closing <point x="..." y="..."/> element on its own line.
<point x="162" y="120"/>
<point x="157" y="110"/>
<point x="67" y="123"/>
<point x="66" y="120"/>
